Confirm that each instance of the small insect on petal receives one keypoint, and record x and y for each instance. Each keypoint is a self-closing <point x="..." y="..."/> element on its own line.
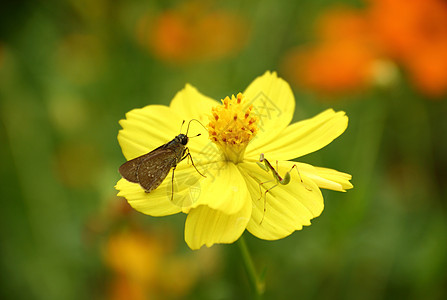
<point x="279" y="180"/>
<point x="149" y="170"/>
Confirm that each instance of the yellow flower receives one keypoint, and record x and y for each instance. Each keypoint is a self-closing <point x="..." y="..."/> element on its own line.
<point x="229" y="199"/>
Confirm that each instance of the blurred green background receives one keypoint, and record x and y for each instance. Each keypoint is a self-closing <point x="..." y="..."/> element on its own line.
<point x="70" y="70"/>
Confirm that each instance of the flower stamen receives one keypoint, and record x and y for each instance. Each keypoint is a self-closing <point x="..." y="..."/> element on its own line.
<point x="232" y="126"/>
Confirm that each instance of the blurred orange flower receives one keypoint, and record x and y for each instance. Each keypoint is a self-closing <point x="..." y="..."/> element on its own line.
<point x="134" y="255"/>
<point x="353" y="44"/>
<point x="191" y="32"/>
<point x="342" y="61"/>
<point x="331" y="67"/>
<point x="343" y="23"/>
<point x="415" y="34"/>
<point x="428" y="69"/>
<point x="144" y="266"/>
<point x="123" y="289"/>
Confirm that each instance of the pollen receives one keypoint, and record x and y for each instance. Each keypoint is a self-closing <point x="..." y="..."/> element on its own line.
<point x="232" y="126"/>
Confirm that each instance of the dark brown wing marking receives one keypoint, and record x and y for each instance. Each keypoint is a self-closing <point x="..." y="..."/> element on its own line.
<point x="154" y="169"/>
<point x="130" y="168"/>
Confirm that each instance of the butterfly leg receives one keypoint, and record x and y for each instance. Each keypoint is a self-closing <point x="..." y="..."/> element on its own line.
<point x="188" y="154"/>
<point x="172" y="185"/>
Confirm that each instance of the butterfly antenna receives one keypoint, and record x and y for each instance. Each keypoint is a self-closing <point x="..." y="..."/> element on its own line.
<point x="187" y="130"/>
<point x="181" y="126"/>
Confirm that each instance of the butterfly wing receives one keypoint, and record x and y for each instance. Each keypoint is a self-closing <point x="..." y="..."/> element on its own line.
<point x="129" y="169"/>
<point x="149" y="170"/>
<point x="153" y="169"/>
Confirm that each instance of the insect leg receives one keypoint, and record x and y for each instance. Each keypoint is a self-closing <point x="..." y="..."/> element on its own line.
<point x="282" y="180"/>
<point x="295" y="166"/>
<point x="260" y="184"/>
<point x="262" y="166"/>
<point x="172" y="185"/>
<point x="190" y="157"/>
<point x="265" y="202"/>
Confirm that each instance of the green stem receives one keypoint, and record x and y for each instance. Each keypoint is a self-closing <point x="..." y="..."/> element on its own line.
<point x="256" y="283"/>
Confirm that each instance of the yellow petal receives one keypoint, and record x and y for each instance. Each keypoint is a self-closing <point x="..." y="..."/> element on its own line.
<point x="145" y="129"/>
<point x="273" y="102"/>
<point x="204" y="152"/>
<point x="287" y="207"/>
<point x="223" y="189"/>
<point x="156" y="203"/>
<point x="325" y="178"/>
<point x="191" y="104"/>
<point x="303" y="137"/>
<point x="206" y="226"/>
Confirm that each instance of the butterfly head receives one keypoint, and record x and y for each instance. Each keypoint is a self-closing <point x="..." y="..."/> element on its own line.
<point x="183" y="139"/>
